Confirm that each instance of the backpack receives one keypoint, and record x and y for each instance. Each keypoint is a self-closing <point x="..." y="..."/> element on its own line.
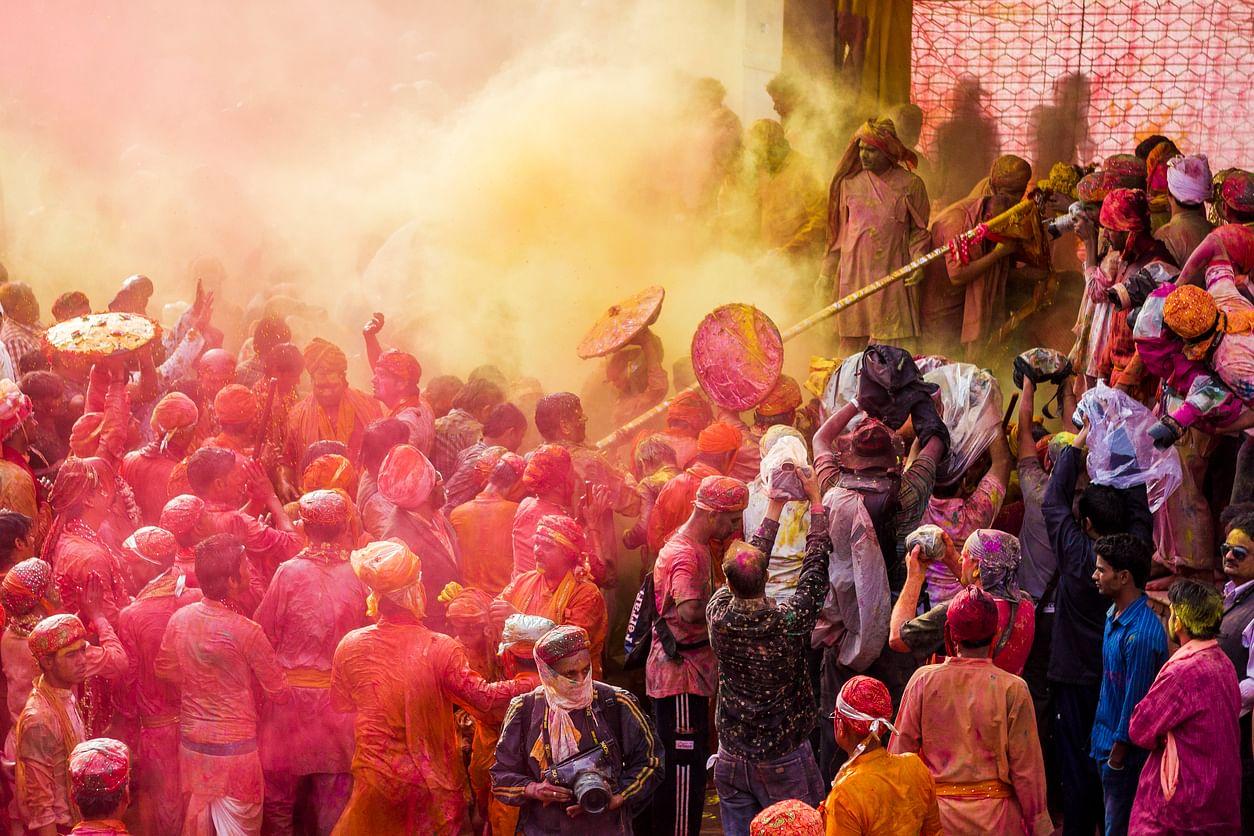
<point x="639" y="637"/>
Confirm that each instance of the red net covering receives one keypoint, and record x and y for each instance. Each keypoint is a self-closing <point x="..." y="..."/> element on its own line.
<point x="1180" y="68"/>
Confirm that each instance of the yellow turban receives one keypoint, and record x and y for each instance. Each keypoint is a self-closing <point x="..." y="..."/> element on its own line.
<point x="392" y="571"/>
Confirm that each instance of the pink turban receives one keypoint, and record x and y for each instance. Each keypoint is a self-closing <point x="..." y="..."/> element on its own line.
<point x="406" y="477"/>
<point x="722" y="494"/>
<point x="1189" y="178"/>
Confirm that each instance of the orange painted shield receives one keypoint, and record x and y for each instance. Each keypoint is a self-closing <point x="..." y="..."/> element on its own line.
<point x="622" y="323"/>
<point x="737" y="355"/>
<point x="102" y="335"/>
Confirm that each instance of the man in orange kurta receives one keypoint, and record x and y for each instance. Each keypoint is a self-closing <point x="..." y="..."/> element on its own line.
<point x="334" y="410"/>
<point x="402" y="680"/>
<point x="974" y="726"/>
<point x="484" y="528"/>
<point x="877" y="215"/>
<point x="558" y="588"/>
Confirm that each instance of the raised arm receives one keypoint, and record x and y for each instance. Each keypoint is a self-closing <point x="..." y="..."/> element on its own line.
<point x="832" y="428"/>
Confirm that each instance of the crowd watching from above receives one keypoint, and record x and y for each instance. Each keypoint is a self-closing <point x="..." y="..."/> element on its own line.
<point x="970" y="573"/>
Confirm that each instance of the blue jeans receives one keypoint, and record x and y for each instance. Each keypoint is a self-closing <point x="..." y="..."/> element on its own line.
<point x="1119" y="789"/>
<point x="746" y="788"/>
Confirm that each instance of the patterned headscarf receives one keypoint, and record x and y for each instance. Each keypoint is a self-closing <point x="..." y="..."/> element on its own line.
<point x="507" y="471"/>
<point x="971" y="617"/>
<point x="1093" y="188"/>
<point x="235" y="404"/>
<point x="181" y="514"/>
<point x="54" y="634"/>
<point x="1125" y="210"/>
<point x="562" y="531"/>
<point x="865" y="706"/>
<point x="722" y="494"/>
<point x="406" y="477"/>
<point x="882" y="134"/>
<point x="691" y="410"/>
<point x="99" y="767"/>
<point x="720" y="437"/>
<point x="400" y="364"/>
<point x="784" y="397"/>
<point x="321" y="355"/>
<point x="1194" y="316"/>
<point x="391" y="571"/>
<point x="152" y="544"/>
<point x="787" y="818"/>
<point x="1237" y="191"/>
<point x="562" y="696"/>
<point x="325" y="508"/>
<point x="1128" y="170"/>
<point x="23" y="593"/>
<point x="998" y="555"/>
<point x="1156" y="166"/>
<point x="548" y="468"/>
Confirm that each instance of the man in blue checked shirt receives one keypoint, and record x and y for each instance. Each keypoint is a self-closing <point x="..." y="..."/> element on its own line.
<point x="1134" y="647"/>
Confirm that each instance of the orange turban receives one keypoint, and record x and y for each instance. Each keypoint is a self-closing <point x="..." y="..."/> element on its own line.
<point x="882" y="134"/>
<point x="235" y="404"/>
<point x="722" y="494"/>
<point x="548" y="467"/>
<point x="85" y="434"/>
<point x="391" y="571"/>
<point x="321" y="355"/>
<point x="152" y="545"/>
<point x="1192" y="313"/>
<point x="691" y="410"/>
<point x="329" y="472"/>
<point x="720" y="437"/>
<point x="785" y="397"/>
<point x="400" y="364"/>
<point x="406" y="477"/>
<point x="466" y="605"/>
<point x="563" y="532"/>
<point x="174" y="412"/>
<point x="324" y="507"/>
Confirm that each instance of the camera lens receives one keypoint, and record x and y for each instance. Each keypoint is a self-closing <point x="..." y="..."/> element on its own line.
<point x="592" y="791"/>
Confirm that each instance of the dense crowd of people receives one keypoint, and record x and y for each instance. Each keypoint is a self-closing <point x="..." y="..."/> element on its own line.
<point x="243" y="595"/>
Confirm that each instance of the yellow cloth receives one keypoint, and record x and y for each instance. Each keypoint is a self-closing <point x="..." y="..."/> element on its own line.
<point x="884" y="79"/>
<point x="884" y="794"/>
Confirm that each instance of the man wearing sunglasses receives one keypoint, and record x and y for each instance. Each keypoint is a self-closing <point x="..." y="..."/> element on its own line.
<point x="1236" y="632"/>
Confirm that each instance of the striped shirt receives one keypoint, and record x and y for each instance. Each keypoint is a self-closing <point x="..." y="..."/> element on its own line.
<point x="1134" y="647"/>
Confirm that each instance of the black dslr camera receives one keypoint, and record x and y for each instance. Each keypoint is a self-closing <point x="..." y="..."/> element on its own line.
<point x="589" y="775"/>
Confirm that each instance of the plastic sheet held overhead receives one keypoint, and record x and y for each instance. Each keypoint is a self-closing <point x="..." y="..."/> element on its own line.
<point x="970" y="404"/>
<point x="1121" y="451"/>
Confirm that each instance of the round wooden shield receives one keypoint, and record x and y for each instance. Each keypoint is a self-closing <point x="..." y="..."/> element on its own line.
<point x="621" y="323"/>
<point x="102" y="335"/>
<point x="737" y="355"/>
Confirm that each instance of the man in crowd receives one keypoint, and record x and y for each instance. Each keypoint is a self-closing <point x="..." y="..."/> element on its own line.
<point x="215" y="657"/>
<point x="484" y="525"/>
<point x="504" y="428"/>
<point x="334" y="410"/>
<point x="402" y="680"/>
<point x="766" y="704"/>
<point x="1235" y="634"/>
<point x="1133" y="649"/>
<point x="681" y="672"/>
<point x="100" y="784"/>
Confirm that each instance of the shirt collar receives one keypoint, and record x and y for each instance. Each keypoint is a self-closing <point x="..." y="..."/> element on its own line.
<point x="1127" y="614"/>
<point x="1232" y="591"/>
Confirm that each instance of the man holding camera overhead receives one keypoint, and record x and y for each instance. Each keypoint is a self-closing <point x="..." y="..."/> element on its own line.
<point x="578" y="756"/>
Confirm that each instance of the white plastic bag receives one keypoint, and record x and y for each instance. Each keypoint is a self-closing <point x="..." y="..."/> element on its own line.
<point x="1121" y="452"/>
<point x="971" y="409"/>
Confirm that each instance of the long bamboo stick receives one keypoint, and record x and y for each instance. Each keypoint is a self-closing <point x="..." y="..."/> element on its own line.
<point x="621" y="434"/>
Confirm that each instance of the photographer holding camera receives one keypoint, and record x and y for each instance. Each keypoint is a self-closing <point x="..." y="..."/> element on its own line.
<point x="577" y="756"/>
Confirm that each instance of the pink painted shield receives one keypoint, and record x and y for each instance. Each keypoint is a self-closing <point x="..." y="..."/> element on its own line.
<point x="737" y="355"/>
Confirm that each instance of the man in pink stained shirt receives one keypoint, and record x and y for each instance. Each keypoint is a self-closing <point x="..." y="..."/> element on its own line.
<point x="215" y="656"/>
<point x="314" y="600"/>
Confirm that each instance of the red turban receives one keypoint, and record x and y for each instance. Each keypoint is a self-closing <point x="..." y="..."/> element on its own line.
<point x="1237" y="192"/>
<point x="54" y="634"/>
<point x="235" y="404"/>
<point x="76" y="480"/>
<point x="561" y="643"/>
<point x="1094" y="187"/>
<point x="972" y="616"/>
<point x="720" y="437"/>
<point x="174" y="412"/>
<point x="152" y="544"/>
<point x="1127" y="169"/>
<point x="85" y="434"/>
<point x="324" y="507"/>
<point x="181" y="514"/>
<point x="406" y="477"/>
<point x="1125" y="210"/>
<point x="563" y="532"/>
<point x="785" y="397"/>
<point x="722" y="494"/>
<point x="861" y="702"/>
<point x="691" y="410"/>
<point x="549" y="467"/>
<point x="321" y="355"/>
<point x="508" y="470"/>
<point x="25" y="585"/>
<point x="787" y="818"/>
<point x="486" y="463"/>
<point x="882" y="134"/>
<point x="99" y="767"/>
<point x="400" y="364"/>
<point x="1156" y="166"/>
<point x="329" y="472"/>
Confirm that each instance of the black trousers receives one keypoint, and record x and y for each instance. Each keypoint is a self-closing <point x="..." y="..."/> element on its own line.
<point x="1075" y="706"/>
<point x="683" y="728"/>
